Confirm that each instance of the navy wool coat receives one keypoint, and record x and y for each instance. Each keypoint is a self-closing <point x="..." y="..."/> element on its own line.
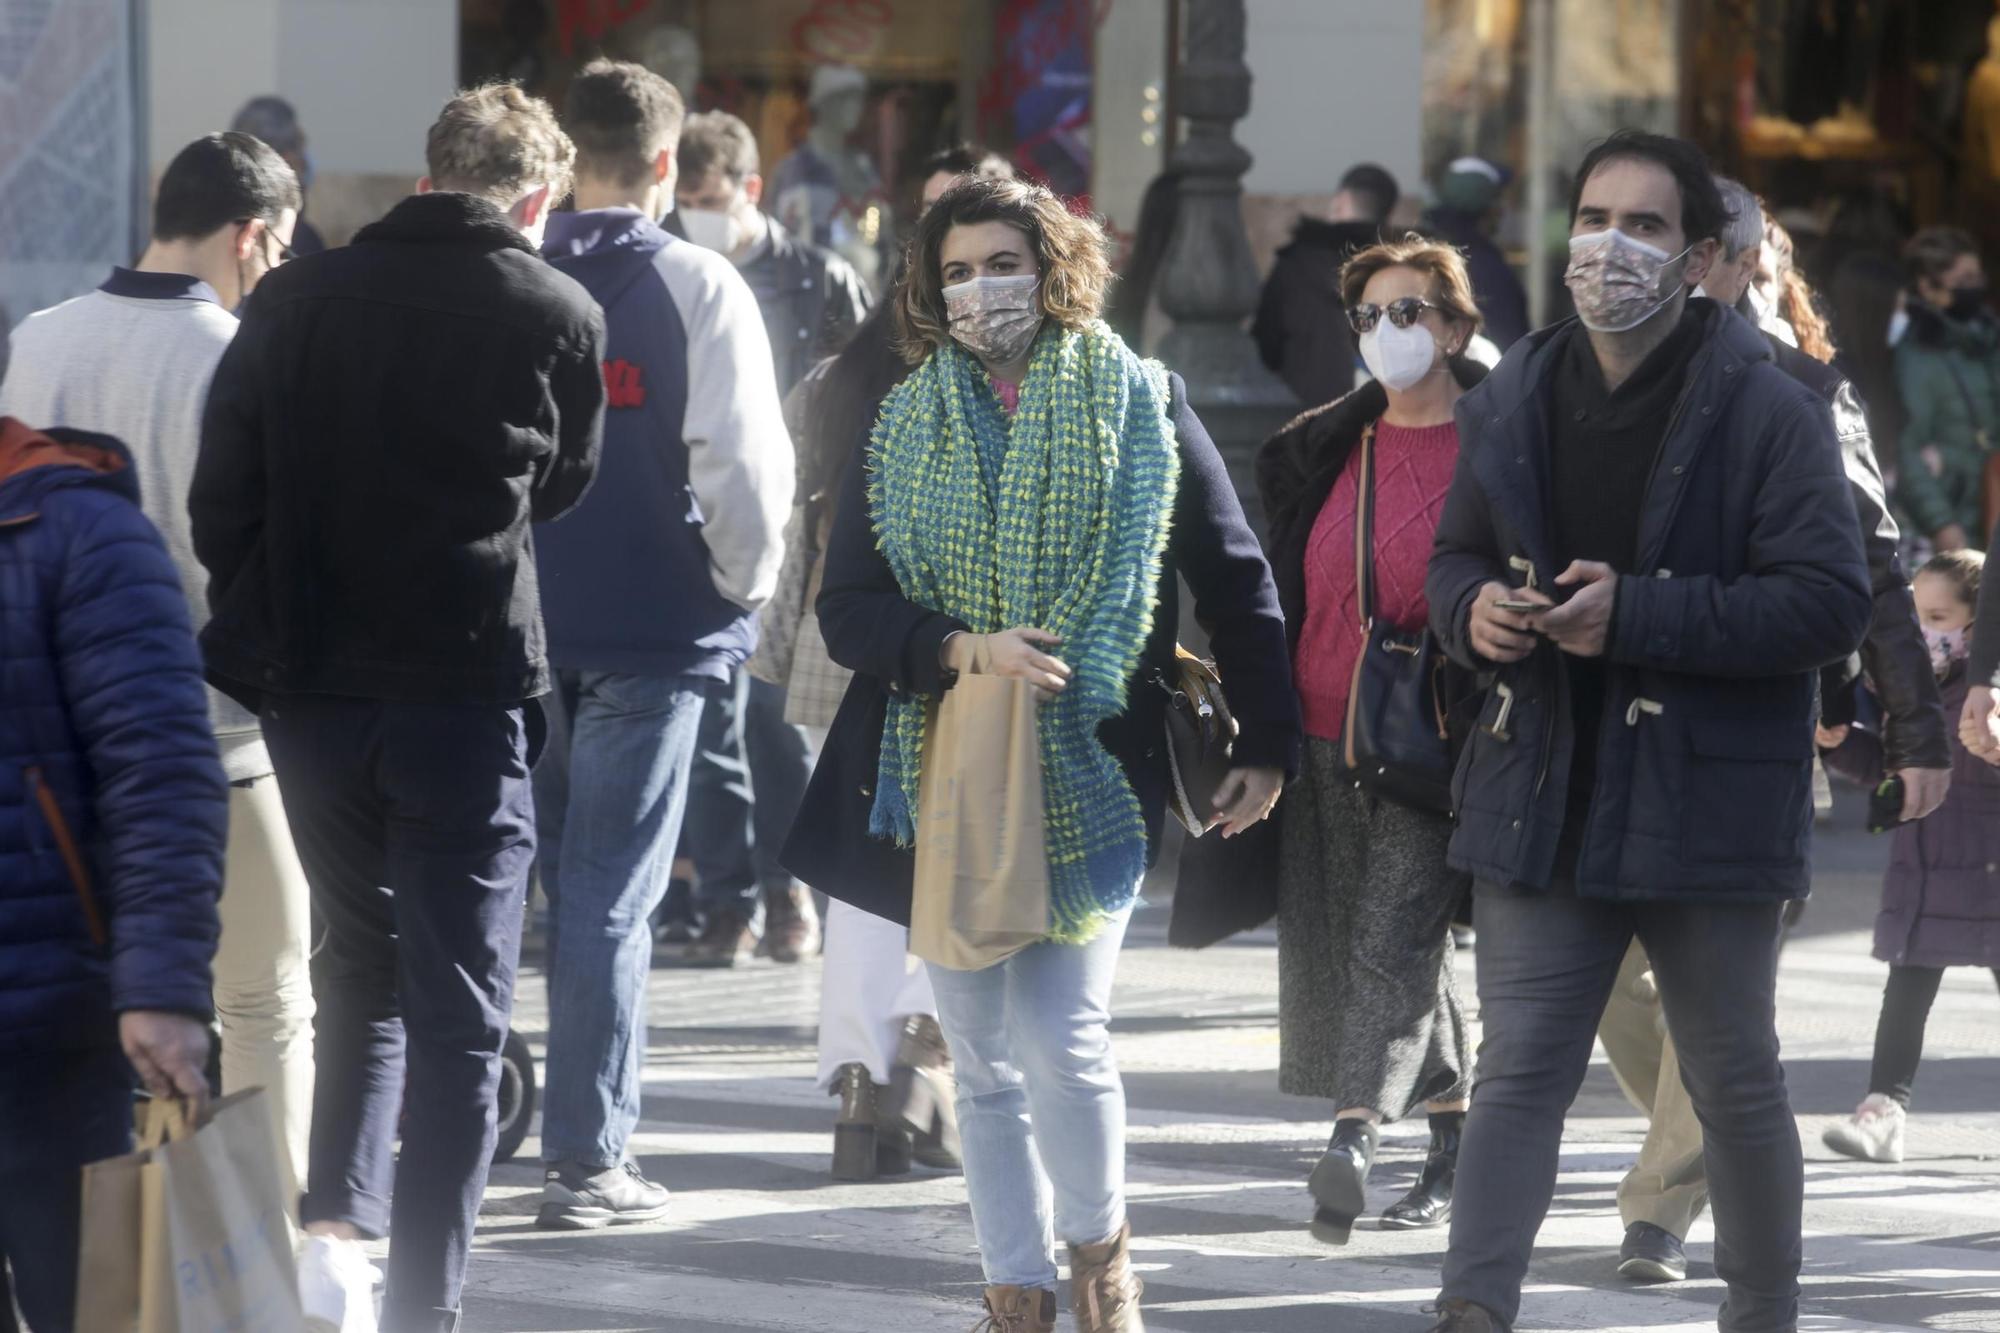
<point x="891" y="643"/>
<point x="1750" y="578"/>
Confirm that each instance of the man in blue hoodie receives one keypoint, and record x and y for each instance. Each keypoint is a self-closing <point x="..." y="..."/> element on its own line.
<point x="648" y="595"/>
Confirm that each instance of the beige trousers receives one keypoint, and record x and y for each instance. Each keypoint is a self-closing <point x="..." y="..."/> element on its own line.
<point x="1668" y="1185"/>
<point x="263" y="982"/>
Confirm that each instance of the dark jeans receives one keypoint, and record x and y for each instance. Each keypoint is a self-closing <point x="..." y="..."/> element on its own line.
<point x="416" y="827"/>
<point x="1899" y="1032"/>
<point x="750" y="773"/>
<point x="58" y="1113"/>
<point x="1546" y="964"/>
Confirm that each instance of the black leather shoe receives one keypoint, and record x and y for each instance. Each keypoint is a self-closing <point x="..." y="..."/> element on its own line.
<point x="1428" y="1203"/>
<point x="1652" y="1254"/>
<point x="1464" y="1317"/>
<point x="1339" y="1183"/>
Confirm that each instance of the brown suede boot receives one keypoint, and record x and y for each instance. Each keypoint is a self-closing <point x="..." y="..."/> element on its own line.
<point x="1018" y="1310"/>
<point x="1104" y="1291"/>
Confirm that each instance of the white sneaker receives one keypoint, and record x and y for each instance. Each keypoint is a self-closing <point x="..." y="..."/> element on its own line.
<point x="337" y="1286"/>
<point x="1874" y="1133"/>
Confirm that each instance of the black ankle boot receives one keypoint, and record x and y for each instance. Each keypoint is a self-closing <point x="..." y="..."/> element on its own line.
<point x="1339" y="1184"/>
<point x="1428" y="1203"/>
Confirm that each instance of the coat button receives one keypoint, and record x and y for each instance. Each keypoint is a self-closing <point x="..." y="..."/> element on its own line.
<point x="869" y="792"/>
<point x="1522" y="459"/>
<point x="1678" y="469"/>
<point x="1517" y="823"/>
<point x="1709" y="410"/>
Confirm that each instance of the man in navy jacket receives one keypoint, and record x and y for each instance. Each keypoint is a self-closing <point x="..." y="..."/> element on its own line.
<point x="649" y="591"/>
<point x="113" y="812"/>
<point x="1642" y="766"/>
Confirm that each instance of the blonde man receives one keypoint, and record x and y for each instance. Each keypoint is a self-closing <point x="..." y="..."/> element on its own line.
<point x="376" y="445"/>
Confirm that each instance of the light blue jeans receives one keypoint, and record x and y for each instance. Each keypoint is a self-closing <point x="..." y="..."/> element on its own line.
<point x="1038" y="1088"/>
<point x="609" y="795"/>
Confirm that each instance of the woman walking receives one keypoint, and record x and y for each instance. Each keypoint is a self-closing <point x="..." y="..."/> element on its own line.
<point x="880" y="1050"/>
<point x="1032" y="494"/>
<point x="1369" y="1016"/>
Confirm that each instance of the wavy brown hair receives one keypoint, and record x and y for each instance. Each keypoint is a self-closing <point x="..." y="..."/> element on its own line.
<point x="1451" y="282"/>
<point x="1795" y="301"/>
<point x="1070" y="251"/>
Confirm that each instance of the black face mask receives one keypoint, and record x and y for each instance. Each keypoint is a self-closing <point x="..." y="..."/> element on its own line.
<point x="1967" y="302"/>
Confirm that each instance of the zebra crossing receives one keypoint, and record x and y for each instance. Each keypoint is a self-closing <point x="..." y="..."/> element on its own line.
<point x="761" y="1238"/>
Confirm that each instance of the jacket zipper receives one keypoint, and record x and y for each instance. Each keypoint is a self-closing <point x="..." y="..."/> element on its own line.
<point x="72" y="858"/>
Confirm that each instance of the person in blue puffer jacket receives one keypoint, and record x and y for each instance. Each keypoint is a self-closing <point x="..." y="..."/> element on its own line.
<point x="113" y="816"/>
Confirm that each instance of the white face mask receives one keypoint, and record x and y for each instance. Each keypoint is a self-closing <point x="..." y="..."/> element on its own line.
<point x="1899" y="324"/>
<point x="712" y="229"/>
<point x="1399" y="358"/>
<point x="1616" y="280"/>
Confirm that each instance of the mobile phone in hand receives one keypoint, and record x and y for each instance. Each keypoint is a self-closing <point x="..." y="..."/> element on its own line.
<point x="1885" y="806"/>
<point x="1520" y="608"/>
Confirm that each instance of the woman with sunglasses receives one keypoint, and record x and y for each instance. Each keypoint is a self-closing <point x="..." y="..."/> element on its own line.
<point x="1369" y="1017"/>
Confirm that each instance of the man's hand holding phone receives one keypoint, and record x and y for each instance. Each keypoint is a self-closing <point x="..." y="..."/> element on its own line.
<point x="1500" y="623"/>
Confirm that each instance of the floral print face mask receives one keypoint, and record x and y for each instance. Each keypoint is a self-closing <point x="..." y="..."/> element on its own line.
<point x="1616" y="280"/>
<point x="1947" y="647"/>
<point x="995" y="319"/>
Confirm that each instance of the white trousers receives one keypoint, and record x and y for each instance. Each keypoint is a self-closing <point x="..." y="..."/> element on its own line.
<point x="263" y="977"/>
<point x="869" y="985"/>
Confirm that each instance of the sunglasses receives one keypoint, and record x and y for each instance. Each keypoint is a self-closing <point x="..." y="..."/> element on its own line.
<point x="1402" y="313"/>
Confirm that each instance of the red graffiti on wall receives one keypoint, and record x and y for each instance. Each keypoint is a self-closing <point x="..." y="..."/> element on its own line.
<point x="841" y="30"/>
<point x="593" y="19"/>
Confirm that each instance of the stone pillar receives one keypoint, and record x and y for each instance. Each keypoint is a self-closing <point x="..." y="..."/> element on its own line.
<point x="1209" y="283"/>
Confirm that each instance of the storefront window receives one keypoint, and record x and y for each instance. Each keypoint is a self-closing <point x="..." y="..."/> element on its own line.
<point x="846" y="97"/>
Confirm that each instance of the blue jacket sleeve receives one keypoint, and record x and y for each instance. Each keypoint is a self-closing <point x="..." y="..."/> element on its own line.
<point x="132" y="683"/>
<point x="1803" y="600"/>
<point x="1235" y="600"/>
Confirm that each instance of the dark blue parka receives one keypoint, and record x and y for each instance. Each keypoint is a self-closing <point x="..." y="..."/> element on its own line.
<point x="1750" y="577"/>
<point x="113" y="806"/>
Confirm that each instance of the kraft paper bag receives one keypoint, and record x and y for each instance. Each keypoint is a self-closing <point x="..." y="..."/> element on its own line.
<point x="208" y="1247"/>
<point x="981" y="891"/>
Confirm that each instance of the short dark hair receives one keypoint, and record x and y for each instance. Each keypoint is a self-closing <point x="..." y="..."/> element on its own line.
<point x="621" y="116"/>
<point x="967" y="159"/>
<point x="219" y="179"/>
<point x="1374" y="188"/>
<point x="1932" y="252"/>
<point x="1703" y="214"/>
<point x="717" y="141"/>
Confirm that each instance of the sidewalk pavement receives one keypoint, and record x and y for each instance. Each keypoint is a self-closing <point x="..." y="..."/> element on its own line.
<point x="761" y="1238"/>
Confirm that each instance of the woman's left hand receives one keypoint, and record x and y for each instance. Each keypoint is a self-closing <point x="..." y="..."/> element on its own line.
<point x="1246" y="797"/>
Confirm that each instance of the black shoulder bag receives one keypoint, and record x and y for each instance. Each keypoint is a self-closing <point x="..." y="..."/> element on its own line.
<point x="1397" y="746"/>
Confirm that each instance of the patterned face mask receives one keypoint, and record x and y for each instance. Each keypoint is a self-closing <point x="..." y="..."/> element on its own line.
<point x="1616" y="280"/>
<point x="995" y="319"/>
<point x="1947" y="647"/>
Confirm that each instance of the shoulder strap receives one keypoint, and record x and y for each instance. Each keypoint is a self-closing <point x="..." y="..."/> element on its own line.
<point x="1364" y="522"/>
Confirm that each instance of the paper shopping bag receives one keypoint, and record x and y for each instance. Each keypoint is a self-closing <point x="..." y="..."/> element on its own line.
<point x="110" y="1253"/>
<point x="207" y="1248"/>
<point x="981" y="891"/>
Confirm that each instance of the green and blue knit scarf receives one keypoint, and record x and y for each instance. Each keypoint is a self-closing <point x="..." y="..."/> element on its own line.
<point x="1055" y="518"/>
